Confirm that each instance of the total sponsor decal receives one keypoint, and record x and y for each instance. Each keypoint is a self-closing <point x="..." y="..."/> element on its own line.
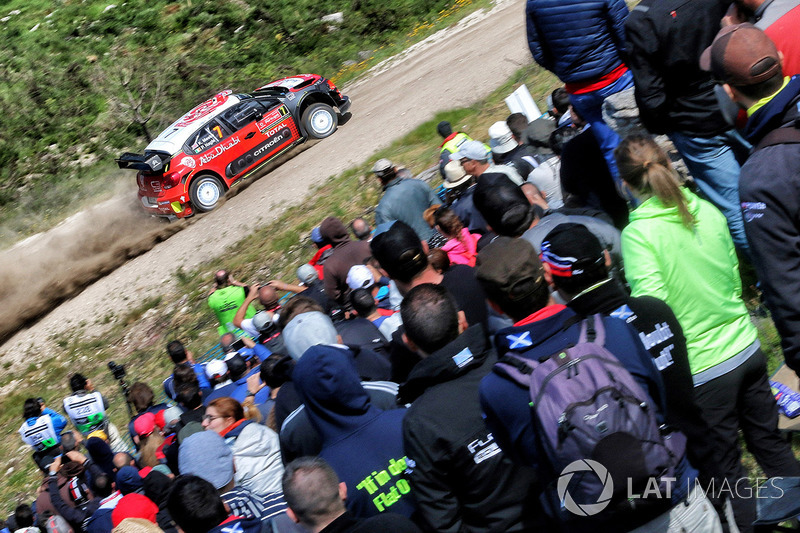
<point x="203" y="109"/>
<point x="275" y="138"/>
<point x="218" y="151"/>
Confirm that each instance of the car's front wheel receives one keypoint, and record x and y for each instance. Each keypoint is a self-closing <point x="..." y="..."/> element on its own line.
<point x="320" y="121"/>
<point x="206" y="192"/>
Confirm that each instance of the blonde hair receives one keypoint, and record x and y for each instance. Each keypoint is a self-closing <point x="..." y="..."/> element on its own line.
<point x="645" y="167"/>
<point x="148" y="446"/>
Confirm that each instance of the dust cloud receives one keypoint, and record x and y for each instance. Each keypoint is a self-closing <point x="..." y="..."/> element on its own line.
<point x="39" y="273"/>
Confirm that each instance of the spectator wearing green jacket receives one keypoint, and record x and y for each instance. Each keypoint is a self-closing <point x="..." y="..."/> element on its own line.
<point x="677" y="248"/>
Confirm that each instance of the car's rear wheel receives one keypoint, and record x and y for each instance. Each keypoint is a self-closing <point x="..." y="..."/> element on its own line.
<point x="320" y="121"/>
<point x="205" y="192"/>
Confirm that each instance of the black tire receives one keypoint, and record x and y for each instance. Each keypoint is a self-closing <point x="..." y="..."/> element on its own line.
<point x="320" y="121"/>
<point x="205" y="192"/>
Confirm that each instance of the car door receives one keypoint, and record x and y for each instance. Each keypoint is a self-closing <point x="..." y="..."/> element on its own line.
<point x="249" y="152"/>
<point x="276" y="132"/>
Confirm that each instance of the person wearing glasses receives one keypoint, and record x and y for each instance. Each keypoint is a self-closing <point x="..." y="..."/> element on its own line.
<point x="256" y="448"/>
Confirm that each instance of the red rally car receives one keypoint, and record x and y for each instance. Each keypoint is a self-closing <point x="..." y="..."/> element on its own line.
<point x="191" y="164"/>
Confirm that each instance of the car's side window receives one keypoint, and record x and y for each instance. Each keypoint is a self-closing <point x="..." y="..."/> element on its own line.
<point x="243" y="114"/>
<point x="206" y="137"/>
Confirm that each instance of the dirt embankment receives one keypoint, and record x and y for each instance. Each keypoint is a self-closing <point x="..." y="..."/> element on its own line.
<point x="95" y="264"/>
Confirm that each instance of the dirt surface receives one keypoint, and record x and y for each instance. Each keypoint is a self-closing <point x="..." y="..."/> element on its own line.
<point x="453" y="68"/>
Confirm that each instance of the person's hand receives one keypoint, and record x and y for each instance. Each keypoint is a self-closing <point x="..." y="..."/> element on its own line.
<point x="76" y="456"/>
<point x="278" y="285"/>
<point x="252" y="293"/>
<point x="254" y="384"/>
<point x="55" y="466"/>
<point x="250" y="343"/>
<point x="733" y="16"/>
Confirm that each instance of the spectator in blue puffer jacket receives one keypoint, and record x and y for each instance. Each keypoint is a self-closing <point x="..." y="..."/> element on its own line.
<point x="583" y="43"/>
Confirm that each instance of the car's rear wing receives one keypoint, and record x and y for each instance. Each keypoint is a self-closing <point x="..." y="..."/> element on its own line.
<point x="149" y="162"/>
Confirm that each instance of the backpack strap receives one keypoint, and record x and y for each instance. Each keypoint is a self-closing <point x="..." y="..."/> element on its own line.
<point x="592" y="330"/>
<point x="789" y="135"/>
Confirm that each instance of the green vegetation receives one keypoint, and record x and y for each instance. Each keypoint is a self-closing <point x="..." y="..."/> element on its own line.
<point x="82" y="81"/>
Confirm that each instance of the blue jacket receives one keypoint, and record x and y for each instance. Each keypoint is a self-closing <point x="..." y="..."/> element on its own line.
<point x="577" y="40"/>
<point x="506" y="405"/>
<point x="362" y="443"/>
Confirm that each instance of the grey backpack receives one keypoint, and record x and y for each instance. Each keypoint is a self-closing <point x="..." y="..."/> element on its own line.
<point x="586" y="406"/>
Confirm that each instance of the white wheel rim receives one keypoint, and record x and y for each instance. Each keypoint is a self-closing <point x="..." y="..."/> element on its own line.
<point x="207" y="193"/>
<point x="321" y="121"/>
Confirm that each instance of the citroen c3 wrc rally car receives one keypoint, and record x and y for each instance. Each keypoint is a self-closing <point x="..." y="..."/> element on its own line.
<point x="191" y="164"/>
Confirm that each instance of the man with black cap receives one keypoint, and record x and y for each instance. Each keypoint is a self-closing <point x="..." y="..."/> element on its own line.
<point x="404" y="198"/>
<point x="508" y="212"/>
<point x="749" y="65"/>
<point x="514" y="280"/>
<point x="577" y="266"/>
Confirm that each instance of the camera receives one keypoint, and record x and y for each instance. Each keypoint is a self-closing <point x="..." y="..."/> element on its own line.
<point x="117" y="370"/>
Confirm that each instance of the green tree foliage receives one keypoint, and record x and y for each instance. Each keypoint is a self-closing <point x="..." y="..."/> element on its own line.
<point x="56" y="59"/>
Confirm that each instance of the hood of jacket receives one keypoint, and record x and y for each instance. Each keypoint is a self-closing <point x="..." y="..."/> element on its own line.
<point x="782" y="110"/>
<point x="457" y="358"/>
<point x="653" y="208"/>
<point x="250" y="439"/>
<point x="327" y="380"/>
<point x="334" y="231"/>
<point x="245" y="525"/>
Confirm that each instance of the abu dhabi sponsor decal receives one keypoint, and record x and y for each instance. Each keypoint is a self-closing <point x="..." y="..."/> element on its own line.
<point x="276" y="137"/>
<point x="218" y="151"/>
<point x="188" y="162"/>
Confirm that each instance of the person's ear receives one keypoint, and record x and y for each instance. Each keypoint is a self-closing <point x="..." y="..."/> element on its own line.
<point x="729" y="91"/>
<point x="462" y="322"/>
<point x="425" y="248"/>
<point x="343" y="491"/>
<point x="339" y="339"/>
<point x="607" y="258"/>
<point x="289" y="513"/>
<point x="408" y="342"/>
<point x="548" y="274"/>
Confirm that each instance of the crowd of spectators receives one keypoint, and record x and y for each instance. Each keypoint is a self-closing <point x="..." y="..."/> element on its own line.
<point x="410" y="378"/>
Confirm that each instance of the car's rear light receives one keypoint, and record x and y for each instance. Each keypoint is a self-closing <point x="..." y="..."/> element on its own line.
<point x="171" y="180"/>
<point x="140" y="180"/>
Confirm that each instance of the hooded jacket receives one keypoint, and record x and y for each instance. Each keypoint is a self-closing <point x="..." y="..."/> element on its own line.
<point x="461" y="479"/>
<point x="346" y="253"/>
<point x="362" y="443"/>
<point x="696" y="272"/>
<point x="239" y="524"/>
<point x="769" y="190"/>
<point x="257" y="456"/>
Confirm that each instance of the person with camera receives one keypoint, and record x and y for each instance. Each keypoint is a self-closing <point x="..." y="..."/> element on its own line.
<point x="182" y="357"/>
<point x="42" y="431"/>
<point x="86" y="409"/>
<point x="267" y="297"/>
<point x="225" y="299"/>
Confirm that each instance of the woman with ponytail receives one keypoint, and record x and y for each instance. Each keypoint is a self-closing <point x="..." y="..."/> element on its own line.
<point x="677" y="248"/>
